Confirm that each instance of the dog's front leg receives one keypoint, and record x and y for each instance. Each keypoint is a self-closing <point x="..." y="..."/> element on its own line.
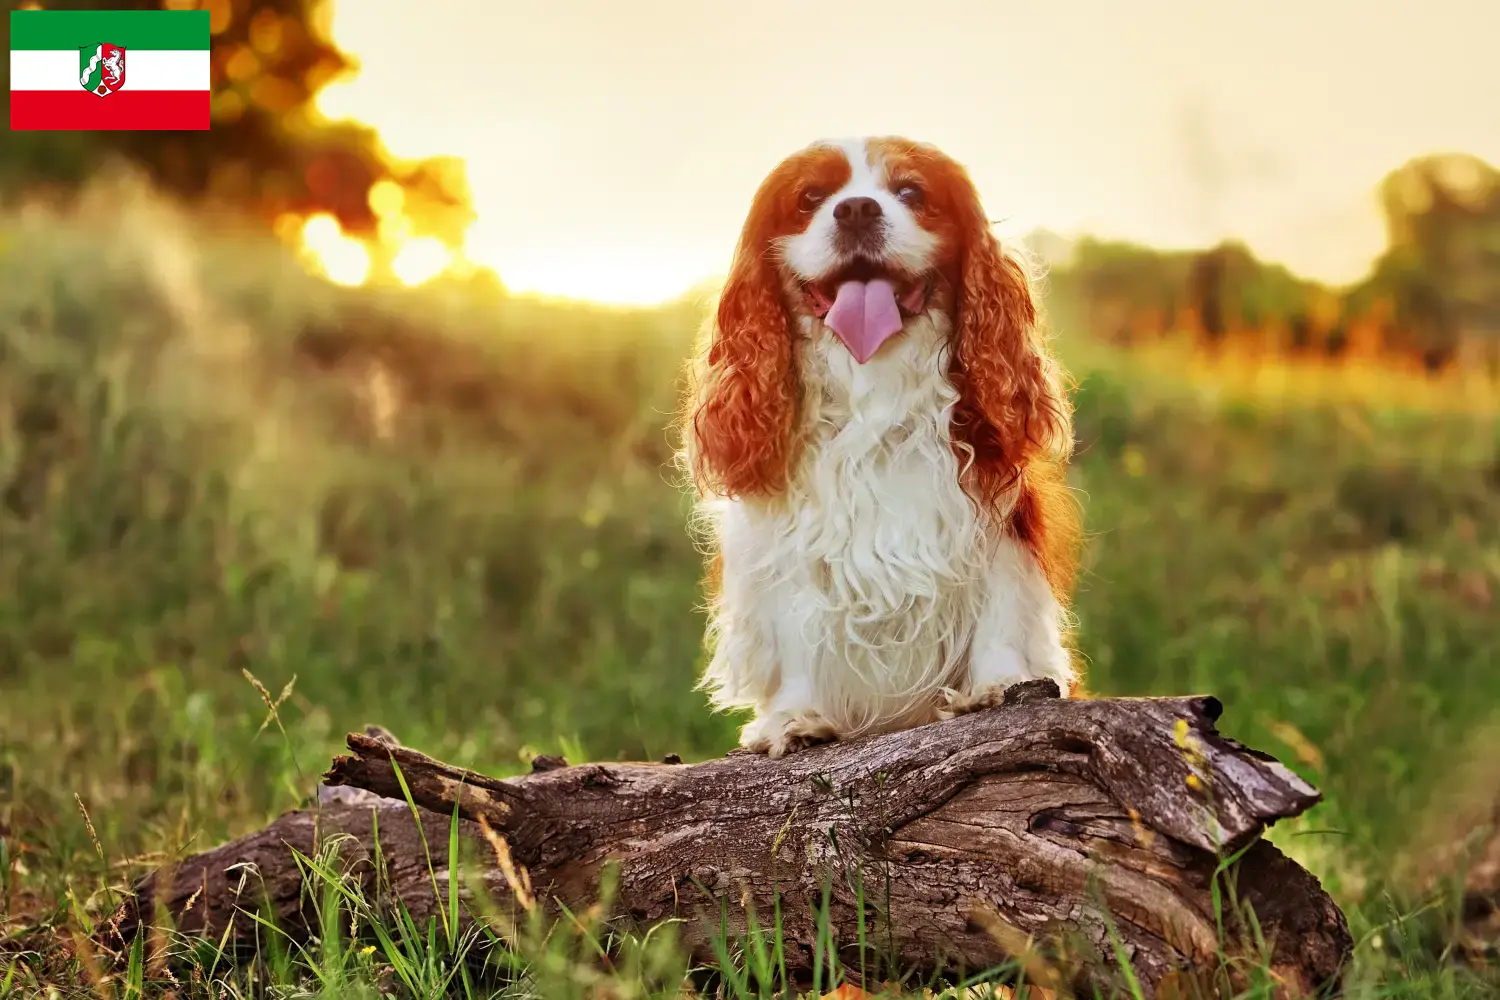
<point x="1019" y="634"/>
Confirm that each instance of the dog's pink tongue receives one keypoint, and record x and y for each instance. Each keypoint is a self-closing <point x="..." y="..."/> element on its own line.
<point x="864" y="315"/>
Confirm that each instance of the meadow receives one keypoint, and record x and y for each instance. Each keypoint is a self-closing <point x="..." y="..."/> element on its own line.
<point x="452" y="512"/>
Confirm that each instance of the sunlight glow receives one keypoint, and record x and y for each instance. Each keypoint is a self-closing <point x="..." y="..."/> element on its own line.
<point x="579" y="271"/>
<point x="621" y="172"/>
<point x="421" y="260"/>
<point x="562" y="264"/>
<point x="343" y="260"/>
<point x="566" y="269"/>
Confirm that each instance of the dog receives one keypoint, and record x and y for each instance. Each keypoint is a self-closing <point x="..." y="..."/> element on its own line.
<point x="878" y="435"/>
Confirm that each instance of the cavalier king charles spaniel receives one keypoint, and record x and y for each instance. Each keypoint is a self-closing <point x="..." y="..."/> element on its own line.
<point x="878" y="437"/>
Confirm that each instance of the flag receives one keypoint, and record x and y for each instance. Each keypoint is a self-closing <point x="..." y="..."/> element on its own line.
<point x="109" y="69"/>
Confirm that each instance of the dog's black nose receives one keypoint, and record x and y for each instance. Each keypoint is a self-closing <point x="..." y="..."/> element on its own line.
<point x="856" y="213"/>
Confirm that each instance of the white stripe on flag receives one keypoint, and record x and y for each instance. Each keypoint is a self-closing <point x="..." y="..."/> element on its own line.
<point x="145" y="69"/>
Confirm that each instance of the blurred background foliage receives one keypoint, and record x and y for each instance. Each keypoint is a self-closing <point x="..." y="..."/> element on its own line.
<point x="1430" y="302"/>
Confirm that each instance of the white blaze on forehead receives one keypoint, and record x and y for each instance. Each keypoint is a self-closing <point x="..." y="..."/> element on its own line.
<point x="868" y="171"/>
<point x="813" y="254"/>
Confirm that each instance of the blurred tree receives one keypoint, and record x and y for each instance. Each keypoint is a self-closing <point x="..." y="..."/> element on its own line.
<point x="1224" y="290"/>
<point x="1433" y="296"/>
<point x="1236" y="293"/>
<point x="1122" y="283"/>
<point x="1206" y="291"/>
<point x="1441" y="273"/>
<point x="269" y="151"/>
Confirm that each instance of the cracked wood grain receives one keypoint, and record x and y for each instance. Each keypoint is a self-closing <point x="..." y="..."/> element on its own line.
<point x="1045" y="818"/>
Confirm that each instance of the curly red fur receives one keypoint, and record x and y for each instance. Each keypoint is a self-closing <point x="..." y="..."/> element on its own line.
<point x="1012" y="422"/>
<point x="745" y="400"/>
<point x="1008" y="406"/>
<point x="742" y="404"/>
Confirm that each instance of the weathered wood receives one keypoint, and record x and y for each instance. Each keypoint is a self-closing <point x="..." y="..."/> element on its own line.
<point x="1045" y="818"/>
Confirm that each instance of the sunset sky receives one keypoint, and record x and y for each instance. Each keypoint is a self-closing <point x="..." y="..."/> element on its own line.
<point x="613" y="146"/>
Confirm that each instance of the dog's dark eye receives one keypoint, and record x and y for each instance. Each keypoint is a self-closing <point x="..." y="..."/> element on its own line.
<point x="909" y="193"/>
<point x="810" y="199"/>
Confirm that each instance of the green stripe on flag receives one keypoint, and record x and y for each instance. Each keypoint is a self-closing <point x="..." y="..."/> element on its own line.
<point x="129" y="29"/>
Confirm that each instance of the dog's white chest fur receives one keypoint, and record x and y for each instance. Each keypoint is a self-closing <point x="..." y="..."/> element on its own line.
<point x="857" y="592"/>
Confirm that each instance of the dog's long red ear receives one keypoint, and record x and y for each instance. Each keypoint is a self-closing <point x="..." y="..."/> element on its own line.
<point x="1012" y="405"/>
<point x="743" y="399"/>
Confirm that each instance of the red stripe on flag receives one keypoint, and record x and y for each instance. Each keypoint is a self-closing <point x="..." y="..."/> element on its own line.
<point x="78" y="110"/>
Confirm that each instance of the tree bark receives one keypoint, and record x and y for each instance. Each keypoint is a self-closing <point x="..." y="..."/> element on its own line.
<point x="1093" y="828"/>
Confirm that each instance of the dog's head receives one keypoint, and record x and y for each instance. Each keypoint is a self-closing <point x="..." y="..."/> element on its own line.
<point x="860" y="236"/>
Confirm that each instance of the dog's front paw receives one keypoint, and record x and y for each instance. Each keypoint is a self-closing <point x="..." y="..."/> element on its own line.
<point x="956" y="703"/>
<point x="780" y="734"/>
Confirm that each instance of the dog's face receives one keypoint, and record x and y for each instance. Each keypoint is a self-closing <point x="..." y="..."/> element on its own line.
<point x="881" y="220"/>
<point x="863" y="231"/>
<point x="857" y="237"/>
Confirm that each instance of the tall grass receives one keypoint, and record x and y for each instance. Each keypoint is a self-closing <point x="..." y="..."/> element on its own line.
<point x="452" y="513"/>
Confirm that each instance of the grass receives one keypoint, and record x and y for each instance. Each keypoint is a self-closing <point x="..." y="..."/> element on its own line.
<point x="451" y="513"/>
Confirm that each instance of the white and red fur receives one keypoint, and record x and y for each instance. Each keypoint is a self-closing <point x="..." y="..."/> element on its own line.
<point x="892" y="542"/>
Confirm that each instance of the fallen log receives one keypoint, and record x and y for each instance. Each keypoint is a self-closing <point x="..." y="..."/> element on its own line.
<point x="1091" y="828"/>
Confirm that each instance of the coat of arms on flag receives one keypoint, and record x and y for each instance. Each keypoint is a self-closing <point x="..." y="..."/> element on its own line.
<point x="101" y="68"/>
